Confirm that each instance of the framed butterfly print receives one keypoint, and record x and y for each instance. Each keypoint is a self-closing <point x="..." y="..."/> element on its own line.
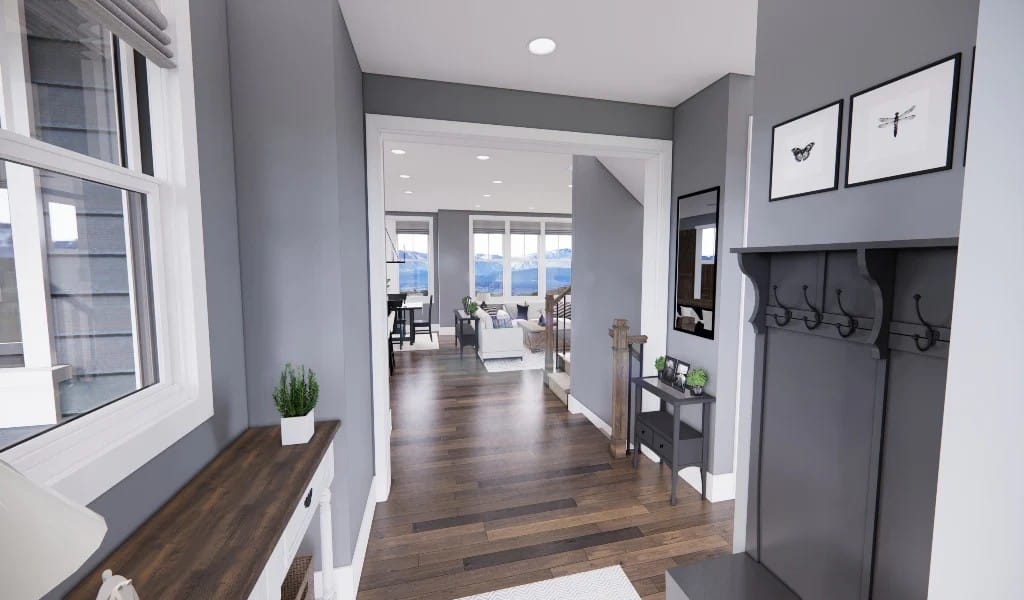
<point x="805" y="153"/>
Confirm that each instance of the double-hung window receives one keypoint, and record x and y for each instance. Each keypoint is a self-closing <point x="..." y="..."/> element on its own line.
<point x="414" y="246"/>
<point x="520" y="257"/>
<point x="104" y="350"/>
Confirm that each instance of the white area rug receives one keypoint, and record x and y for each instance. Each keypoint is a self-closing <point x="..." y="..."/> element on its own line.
<point x="531" y="361"/>
<point x="423" y="342"/>
<point x="609" y="583"/>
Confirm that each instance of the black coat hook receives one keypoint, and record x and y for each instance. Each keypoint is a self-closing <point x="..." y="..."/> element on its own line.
<point x="932" y="335"/>
<point x="817" y="313"/>
<point x="851" y="321"/>
<point x="788" y="313"/>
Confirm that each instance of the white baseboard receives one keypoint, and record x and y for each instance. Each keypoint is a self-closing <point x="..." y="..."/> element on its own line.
<point x="346" y="579"/>
<point x="721" y="487"/>
<point x="576" y="407"/>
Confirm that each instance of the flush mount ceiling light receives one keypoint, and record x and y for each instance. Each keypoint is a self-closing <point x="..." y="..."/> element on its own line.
<point x="497" y="181"/>
<point x="570" y="185"/>
<point x="407" y="192"/>
<point x="482" y="157"/>
<point x="398" y="151"/>
<point x="403" y="176"/>
<point x="542" y="46"/>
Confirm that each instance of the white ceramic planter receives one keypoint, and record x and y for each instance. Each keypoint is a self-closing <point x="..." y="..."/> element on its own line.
<point x="296" y="430"/>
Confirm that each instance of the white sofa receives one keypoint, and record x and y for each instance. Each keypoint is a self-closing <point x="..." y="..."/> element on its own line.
<point x="498" y="342"/>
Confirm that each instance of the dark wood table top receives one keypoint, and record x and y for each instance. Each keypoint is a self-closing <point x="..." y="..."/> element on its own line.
<point x="213" y="538"/>
<point x="670" y="394"/>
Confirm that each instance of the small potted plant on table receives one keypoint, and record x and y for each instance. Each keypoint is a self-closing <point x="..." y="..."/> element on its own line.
<point x="295" y="398"/>
<point x="696" y="379"/>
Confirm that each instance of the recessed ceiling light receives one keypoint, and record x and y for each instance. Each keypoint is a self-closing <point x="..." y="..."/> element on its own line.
<point x="398" y="151"/>
<point x="487" y="195"/>
<point x="542" y="46"/>
<point x="407" y="192"/>
<point x="497" y="181"/>
<point x="403" y="176"/>
<point x="570" y="185"/>
<point x="482" y="157"/>
<point x="533" y="208"/>
<point x="477" y="205"/>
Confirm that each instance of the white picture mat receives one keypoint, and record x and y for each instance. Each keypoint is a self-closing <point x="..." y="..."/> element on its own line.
<point x="921" y="144"/>
<point x="818" y="172"/>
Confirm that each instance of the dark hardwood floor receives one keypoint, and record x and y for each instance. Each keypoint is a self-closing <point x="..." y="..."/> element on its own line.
<point x="496" y="484"/>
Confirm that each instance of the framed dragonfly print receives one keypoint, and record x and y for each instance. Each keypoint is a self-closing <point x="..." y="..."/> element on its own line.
<point x="905" y="126"/>
<point x="805" y="153"/>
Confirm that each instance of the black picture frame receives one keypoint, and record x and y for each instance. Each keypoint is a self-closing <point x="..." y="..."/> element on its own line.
<point x="839" y="137"/>
<point x="951" y="137"/>
<point x="708" y="334"/>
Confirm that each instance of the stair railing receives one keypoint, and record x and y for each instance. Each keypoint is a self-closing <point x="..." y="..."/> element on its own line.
<point x="557" y="335"/>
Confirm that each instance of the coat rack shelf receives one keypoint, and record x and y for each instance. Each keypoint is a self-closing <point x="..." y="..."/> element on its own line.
<point x="850" y="348"/>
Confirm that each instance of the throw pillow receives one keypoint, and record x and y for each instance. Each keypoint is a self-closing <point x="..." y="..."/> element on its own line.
<point x="522" y="311"/>
<point x="492" y="309"/>
<point x="540" y="321"/>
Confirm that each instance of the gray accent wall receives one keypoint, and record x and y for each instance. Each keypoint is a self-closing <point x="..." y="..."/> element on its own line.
<point x="608" y="229"/>
<point x="812" y="53"/>
<point x="710" y="149"/>
<point x="427" y="99"/>
<point x="300" y="174"/>
<point x="452" y="262"/>
<point x="128" y="504"/>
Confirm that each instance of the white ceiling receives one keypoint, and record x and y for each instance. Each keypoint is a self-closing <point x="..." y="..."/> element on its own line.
<point x="450" y="177"/>
<point x="653" y="52"/>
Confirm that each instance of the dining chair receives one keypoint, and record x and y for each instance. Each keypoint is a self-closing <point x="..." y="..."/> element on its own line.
<point x="424" y="326"/>
<point x="391" y="341"/>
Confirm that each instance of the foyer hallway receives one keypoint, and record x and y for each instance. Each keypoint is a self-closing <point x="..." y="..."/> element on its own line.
<point x="496" y="484"/>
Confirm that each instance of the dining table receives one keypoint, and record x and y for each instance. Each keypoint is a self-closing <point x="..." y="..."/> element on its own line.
<point x="407" y="314"/>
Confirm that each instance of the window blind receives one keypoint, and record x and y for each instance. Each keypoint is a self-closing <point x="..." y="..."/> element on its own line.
<point x="558" y="228"/>
<point x="480" y="226"/>
<point x="525" y="227"/>
<point x="412" y="227"/>
<point x="138" y="22"/>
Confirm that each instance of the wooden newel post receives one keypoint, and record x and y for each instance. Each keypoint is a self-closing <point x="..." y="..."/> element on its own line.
<point x="620" y="384"/>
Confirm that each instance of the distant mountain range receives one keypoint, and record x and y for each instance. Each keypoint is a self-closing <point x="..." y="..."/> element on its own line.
<point x="413" y="273"/>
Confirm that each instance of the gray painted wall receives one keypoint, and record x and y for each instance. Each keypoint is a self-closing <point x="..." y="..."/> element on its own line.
<point x="812" y="53"/>
<point x="452" y="262"/>
<point x="710" y="149"/>
<point x="402" y="96"/>
<point x="300" y="174"/>
<point x="135" y="499"/>
<point x="606" y="276"/>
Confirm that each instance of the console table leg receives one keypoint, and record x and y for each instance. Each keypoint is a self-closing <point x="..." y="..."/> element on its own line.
<point x="326" y="545"/>
<point x="675" y="454"/>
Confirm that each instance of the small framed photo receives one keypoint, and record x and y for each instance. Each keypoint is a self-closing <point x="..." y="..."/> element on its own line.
<point x="681" y="370"/>
<point x="904" y="126"/>
<point x="805" y="153"/>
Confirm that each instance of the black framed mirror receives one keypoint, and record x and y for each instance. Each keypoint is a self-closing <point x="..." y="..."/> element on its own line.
<point x="697" y="227"/>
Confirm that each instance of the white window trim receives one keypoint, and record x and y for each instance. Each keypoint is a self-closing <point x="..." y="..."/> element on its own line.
<point x="391" y="221"/>
<point x="506" y="273"/>
<point x="86" y="457"/>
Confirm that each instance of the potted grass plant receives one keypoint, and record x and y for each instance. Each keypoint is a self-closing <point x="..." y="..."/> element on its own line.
<point x="696" y="379"/>
<point x="295" y="397"/>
